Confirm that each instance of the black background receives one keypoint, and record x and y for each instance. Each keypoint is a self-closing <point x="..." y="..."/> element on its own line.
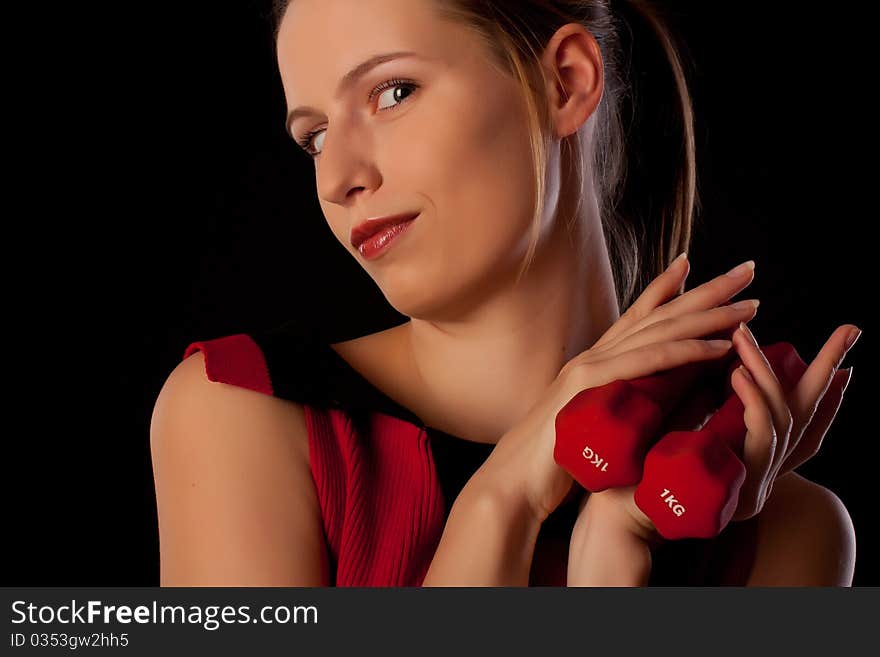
<point x="163" y="203"/>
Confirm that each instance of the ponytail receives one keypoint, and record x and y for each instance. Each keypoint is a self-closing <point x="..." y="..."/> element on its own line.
<point x="658" y="194"/>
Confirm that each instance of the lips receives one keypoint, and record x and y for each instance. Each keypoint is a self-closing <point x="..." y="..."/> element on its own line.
<point x="366" y="229"/>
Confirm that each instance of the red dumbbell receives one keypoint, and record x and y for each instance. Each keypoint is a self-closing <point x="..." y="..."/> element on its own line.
<point x="691" y="482"/>
<point x="603" y="433"/>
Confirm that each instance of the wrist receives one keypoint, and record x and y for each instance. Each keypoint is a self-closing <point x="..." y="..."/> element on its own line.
<point x="485" y="542"/>
<point x="609" y="547"/>
<point x="616" y="508"/>
<point x="502" y="500"/>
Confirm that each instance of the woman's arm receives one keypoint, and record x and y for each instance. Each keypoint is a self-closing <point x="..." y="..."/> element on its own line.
<point x="489" y="540"/>
<point x="235" y="498"/>
<point x="608" y="548"/>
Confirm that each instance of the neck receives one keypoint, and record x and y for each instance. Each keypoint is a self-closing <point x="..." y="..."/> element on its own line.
<point x="482" y="373"/>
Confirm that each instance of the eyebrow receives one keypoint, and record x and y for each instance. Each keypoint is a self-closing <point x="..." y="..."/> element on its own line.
<point x="348" y="80"/>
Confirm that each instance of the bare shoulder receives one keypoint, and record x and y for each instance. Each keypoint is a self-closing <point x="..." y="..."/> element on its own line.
<point x="804" y="536"/>
<point x="236" y="502"/>
<point x="188" y="391"/>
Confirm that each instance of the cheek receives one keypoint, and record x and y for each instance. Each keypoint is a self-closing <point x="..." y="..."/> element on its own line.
<point x="474" y="168"/>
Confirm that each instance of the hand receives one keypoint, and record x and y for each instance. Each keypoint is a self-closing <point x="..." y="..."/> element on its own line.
<point x="654" y="334"/>
<point x="784" y="431"/>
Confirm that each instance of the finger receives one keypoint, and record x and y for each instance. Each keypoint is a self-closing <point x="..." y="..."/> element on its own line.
<point x="759" y="447"/>
<point x="709" y="294"/>
<point x="692" y="325"/>
<point x="645" y="361"/>
<point x="815" y="381"/>
<point x="762" y="373"/>
<point x="701" y="298"/>
<point x="658" y="291"/>
<point x="815" y="432"/>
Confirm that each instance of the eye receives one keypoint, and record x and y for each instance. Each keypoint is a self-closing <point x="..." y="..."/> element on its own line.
<point x="392" y="85"/>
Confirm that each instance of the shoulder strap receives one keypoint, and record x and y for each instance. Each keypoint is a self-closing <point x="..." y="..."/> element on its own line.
<point x="234" y="359"/>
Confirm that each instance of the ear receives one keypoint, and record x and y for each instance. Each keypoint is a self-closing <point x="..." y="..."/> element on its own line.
<point x="573" y="68"/>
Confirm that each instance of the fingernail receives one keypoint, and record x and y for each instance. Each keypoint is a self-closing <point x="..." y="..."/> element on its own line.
<point x="720" y="344"/>
<point x="852" y="337"/>
<point x="681" y="256"/>
<point x="745" y="373"/>
<point x="748" y="304"/>
<point x="745" y="329"/>
<point x="741" y="270"/>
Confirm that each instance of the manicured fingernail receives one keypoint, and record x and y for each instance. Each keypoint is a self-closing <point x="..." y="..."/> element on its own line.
<point x="748" y="304"/>
<point x="720" y="344"/>
<point x="741" y="270"/>
<point x="745" y="329"/>
<point x="852" y="337"/>
<point x="681" y="256"/>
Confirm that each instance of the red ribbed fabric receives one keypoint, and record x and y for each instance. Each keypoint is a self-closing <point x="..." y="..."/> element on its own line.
<point x="234" y="359"/>
<point x="381" y="501"/>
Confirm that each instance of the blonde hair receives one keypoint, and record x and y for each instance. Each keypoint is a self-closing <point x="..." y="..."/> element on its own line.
<point x="647" y="206"/>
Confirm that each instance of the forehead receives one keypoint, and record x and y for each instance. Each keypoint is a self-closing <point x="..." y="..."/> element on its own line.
<point x="332" y="36"/>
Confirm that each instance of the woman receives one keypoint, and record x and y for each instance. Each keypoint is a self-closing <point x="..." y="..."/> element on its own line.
<point x="517" y="238"/>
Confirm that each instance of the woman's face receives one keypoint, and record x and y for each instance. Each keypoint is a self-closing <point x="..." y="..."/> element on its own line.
<point x="451" y="144"/>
